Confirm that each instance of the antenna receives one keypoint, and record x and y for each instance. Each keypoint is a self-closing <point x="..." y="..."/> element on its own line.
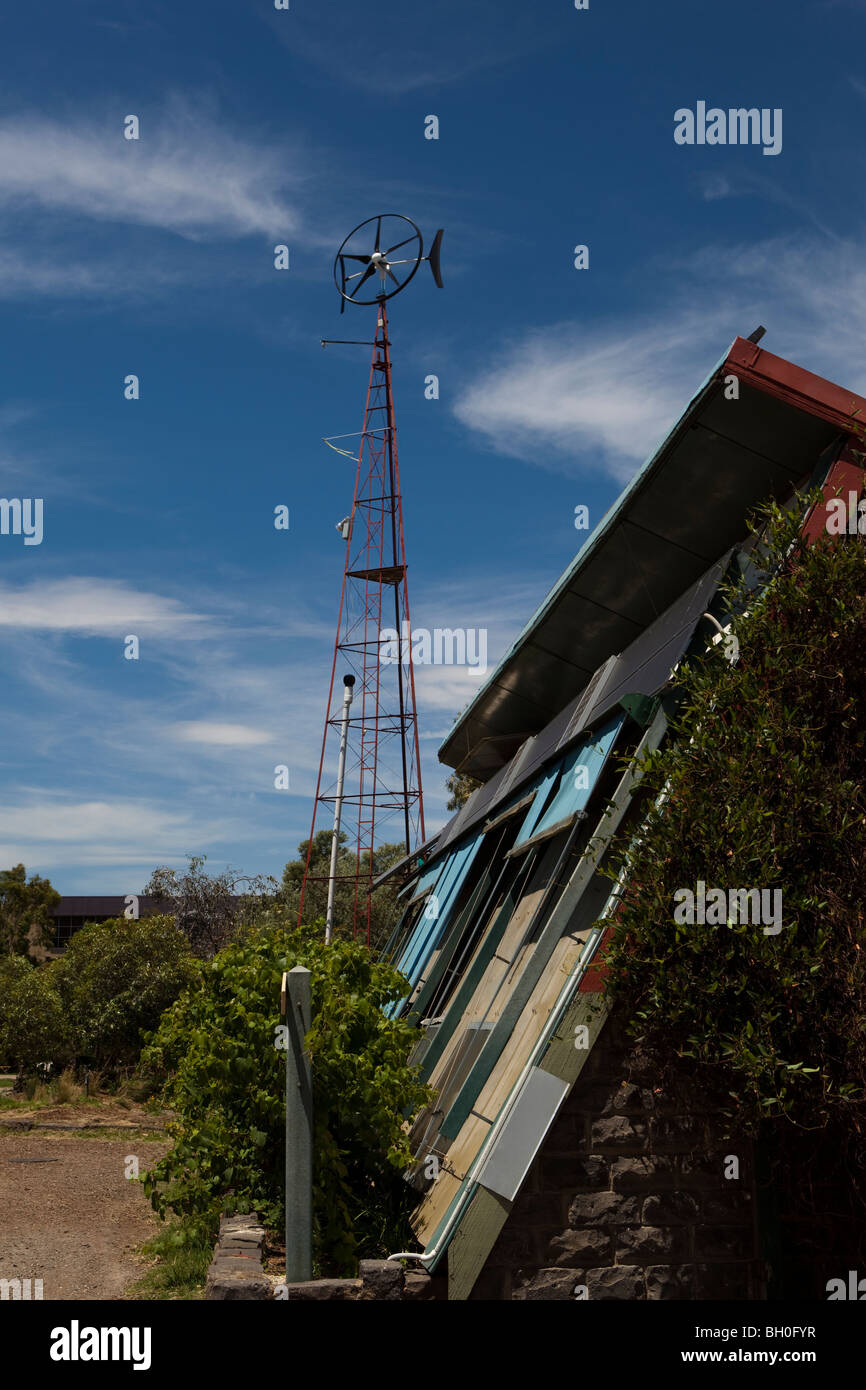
<point x="371" y="734"/>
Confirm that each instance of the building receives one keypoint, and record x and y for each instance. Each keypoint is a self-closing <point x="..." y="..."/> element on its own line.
<point x="70" y="914"/>
<point x="547" y="1167"/>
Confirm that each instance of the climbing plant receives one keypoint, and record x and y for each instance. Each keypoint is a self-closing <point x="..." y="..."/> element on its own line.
<point x="761" y="785"/>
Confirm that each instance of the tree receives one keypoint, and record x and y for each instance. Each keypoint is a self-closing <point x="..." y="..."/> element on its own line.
<point x="386" y="908"/>
<point x="113" y="983"/>
<point x="461" y="787"/>
<point x="25" y="911"/>
<point x="115" y="980"/>
<point x="205" y="906"/>
<point x="13" y="970"/>
<point x="33" y="1024"/>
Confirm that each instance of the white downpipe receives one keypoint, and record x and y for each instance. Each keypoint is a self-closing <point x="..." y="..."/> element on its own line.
<point x="348" y="682"/>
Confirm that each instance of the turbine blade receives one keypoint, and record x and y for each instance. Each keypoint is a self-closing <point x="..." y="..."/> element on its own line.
<point x="401" y="243"/>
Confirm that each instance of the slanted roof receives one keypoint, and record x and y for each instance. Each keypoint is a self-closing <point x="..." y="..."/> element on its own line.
<point x="685" y="507"/>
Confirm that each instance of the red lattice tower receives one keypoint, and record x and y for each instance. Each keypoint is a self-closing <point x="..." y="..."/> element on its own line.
<point x="371" y="789"/>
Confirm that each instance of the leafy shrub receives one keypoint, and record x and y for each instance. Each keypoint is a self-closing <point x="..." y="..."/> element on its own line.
<point x="94" y="1003"/>
<point x="764" y="787"/>
<point x="33" y="1023"/>
<point x="115" y="980"/>
<point x="226" y="1081"/>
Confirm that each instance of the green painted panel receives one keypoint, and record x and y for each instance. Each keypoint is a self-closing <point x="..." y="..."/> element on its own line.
<point x="564" y="1058"/>
<point x="474" y="1239"/>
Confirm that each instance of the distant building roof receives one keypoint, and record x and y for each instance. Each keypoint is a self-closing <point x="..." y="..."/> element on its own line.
<point x="110" y="905"/>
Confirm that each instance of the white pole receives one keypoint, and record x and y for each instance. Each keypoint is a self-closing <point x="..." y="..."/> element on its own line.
<point x="348" y="682"/>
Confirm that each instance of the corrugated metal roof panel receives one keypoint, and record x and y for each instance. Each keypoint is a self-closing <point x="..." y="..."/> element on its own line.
<point x="720" y="459"/>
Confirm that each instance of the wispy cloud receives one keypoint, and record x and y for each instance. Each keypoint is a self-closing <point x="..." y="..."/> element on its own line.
<point x="608" y="395"/>
<point x="415" y="53"/>
<point x="569" y="400"/>
<point x="218" y="735"/>
<point x="49" y="825"/>
<point x="90" y="607"/>
<point x="187" y="174"/>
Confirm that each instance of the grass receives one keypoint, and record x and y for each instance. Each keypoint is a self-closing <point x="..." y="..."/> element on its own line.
<point x="180" y="1268"/>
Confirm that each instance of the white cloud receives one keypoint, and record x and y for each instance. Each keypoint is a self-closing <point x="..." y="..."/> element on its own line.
<point x="568" y="400"/>
<point x="218" y="735"/>
<point x="27" y="273"/>
<point x="187" y="174"/>
<point x="53" y="827"/>
<point x="612" y="394"/>
<point x="93" y="607"/>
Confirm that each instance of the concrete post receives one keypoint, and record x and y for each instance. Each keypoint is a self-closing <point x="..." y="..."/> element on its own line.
<point x="299" y="1130"/>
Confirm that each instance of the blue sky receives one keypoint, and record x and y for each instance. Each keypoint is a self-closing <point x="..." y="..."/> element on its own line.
<point x="155" y="257"/>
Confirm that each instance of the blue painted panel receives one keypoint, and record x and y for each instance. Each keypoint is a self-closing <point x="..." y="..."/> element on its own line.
<point x="434" y="919"/>
<point x="535" y="810"/>
<point x="571" y="795"/>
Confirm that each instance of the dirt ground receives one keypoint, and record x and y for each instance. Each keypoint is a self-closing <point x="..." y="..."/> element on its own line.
<point x="70" y="1216"/>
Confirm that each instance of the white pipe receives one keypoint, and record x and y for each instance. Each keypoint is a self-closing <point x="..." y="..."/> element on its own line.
<point x="348" y="682"/>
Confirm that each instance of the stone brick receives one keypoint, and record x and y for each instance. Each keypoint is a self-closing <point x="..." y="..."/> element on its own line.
<point x="550" y="1284"/>
<point x="381" y="1279"/>
<point x="628" y="1099"/>
<point x="620" y="1282"/>
<point x="603" y="1209"/>
<point x="652" y="1243"/>
<point x="325" y="1291"/>
<point x="418" y="1287"/>
<point x="226" y="1283"/>
<point x="577" y="1248"/>
<point x="643" y="1174"/>
<point x="619" y="1133"/>
<point x="669" y="1209"/>
<point x="667" y="1282"/>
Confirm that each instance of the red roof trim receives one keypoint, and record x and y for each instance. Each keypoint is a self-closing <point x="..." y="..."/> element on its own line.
<point x="787" y="382"/>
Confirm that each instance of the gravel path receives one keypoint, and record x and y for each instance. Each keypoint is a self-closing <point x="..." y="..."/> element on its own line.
<point x="73" y="1222"/>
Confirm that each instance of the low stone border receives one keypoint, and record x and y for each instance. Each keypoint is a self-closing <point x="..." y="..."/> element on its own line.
<point x="378" y="1280"/>
<point x="236" y="1270"/>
